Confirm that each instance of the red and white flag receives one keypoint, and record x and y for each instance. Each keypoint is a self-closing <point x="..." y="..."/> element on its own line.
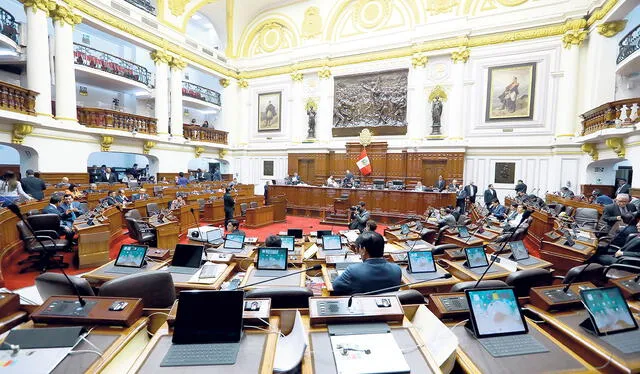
<point x="363" y="163"/>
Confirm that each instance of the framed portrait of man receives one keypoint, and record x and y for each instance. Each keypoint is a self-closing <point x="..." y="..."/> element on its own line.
<point x="269" y="111"/>
<point x="511" y="92"/>
<point x="505" y="173"/>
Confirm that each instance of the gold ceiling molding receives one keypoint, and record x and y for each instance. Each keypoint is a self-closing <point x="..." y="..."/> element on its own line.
<point x="610" y="29"/>
<point x="441" y="6"/>
<point x="574" y="37"/>
<point x="46" y="6"/>
<point x="296" y="76"/>
<point x="20" y="131"/>
<point x="63" y="14"/>
<point x="312" y="23"/>
<point x="511" y="2"/>
<point x="177" y="63"/>
<point x="229" y="8"/>
<point x="198" y="151"/>
<point x="601" y="12"/>
<point x="243" y="83"/>
<point x="177" y="7"/>
<point x="369" y="14"/>
<point x="419" y="61"/>
<point x="591" y="150"/>
<point x="105" y="143"/>
<point x="461" y="55"/>
<point x="269" y="35"/>
<point x="224" y="82"/>
<point x="324" y="73"/>
<point x="160" y="56"/>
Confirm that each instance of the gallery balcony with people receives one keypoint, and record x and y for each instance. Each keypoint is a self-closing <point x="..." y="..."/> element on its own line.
<point x="9" y="28"/>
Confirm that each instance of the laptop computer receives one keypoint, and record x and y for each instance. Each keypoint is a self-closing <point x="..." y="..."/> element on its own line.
<point x="333" y="244"/>
<point x="497" y="322"/>
<point x="477" y="260"/>
<point x="187" y="259"/>
<point x="296" y="233"/>
<point x="610" y="318"/>
<point x="520" y="254"/>
<point x="215" y="342"/>
<point x="214" y="237"/>
<point x="234" y="242"/>
<point x="272" y="262"/>
<point x="320" y="234"/>
<point x="421" y="265"/>
<point x="130" y="259"/>
<point x="288" y="242"/>
<point x="463" y="232"/>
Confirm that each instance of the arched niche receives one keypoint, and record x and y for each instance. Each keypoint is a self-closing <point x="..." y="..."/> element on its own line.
<point x="605" y="172"/>
<point x="209" y="164"/>
<point x="121" y="161"/>
<point x="17" y="158"/>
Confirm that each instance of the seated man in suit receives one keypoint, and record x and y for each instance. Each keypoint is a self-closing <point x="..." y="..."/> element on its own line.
<point x="373" y="273"/>
<point x="441" y="184"/>
<point x="621" y="210"/>
<point x="109" y="177"/>
<point x="631" y="248"/>
<point x="446" y="218"/>
<point x="233" y="227"/>
<point x="497" y="210"/>
<point x="566" y="193"/>
<point x="69" y="210"/>
<point x="601" y="199"/>
<point x="54" y="208"/>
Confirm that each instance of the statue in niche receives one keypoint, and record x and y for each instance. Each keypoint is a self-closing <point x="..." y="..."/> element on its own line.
<point x="312" y="110"/>
<point x="436" y="113"/>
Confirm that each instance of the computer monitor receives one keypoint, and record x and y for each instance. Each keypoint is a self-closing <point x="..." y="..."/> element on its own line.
<point x="518" y="250"/>
<point x="397" y="183"/>
<point x="272" y="259"/>
<point x="187" y="255"/>
<point x="322" y="233"/>
<point x="221" y="310"/>
<point x="234" y="241"/>
<point x="495" y="312"/>
<point x="288" y="242"/>
<point x="608" y="310"/>
<point x="214" y="235"/>
<point x="421" y="262"/>
<point x="331" y="243"/>
<point x="131" y="255"/>
<point x="463" y="232"/>
<point x="476" y="257"/>
<point x="296" y="233"/>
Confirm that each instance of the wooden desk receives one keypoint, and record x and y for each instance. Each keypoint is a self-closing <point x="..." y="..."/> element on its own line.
<point x="186" y="217"/>
<point x="258" y="217"/>
<point x="555" y="199"/>
<point x="397" y="236"/>
<point x="279" y="208"/>
<point x="101" y="275"/>
<point x="214" y="212"/>
<point x="167" y="234"/>
<point x="541" y="264"/>
<point x="115" y="221"/>
<point x="93" y="244"/>
<point x="292" y="281"/>
<point x="458" y="270"/>
<point x="432" y="286"/>
<point x="181" y="281"/>
<point x="562" y="256"/>
<point x="471" y="241"/>
<point x="565" y="327"/>
<point x="541" y="224"/>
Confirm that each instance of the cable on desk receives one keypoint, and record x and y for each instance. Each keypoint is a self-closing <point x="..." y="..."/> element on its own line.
<point x="411" y="349"/>
<point x="458" y="324"/>
<point x="266" y="330"/>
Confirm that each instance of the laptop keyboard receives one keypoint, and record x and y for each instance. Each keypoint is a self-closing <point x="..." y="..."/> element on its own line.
<point x="209" y="271"/>
<point x="122" y="270"/>
<point x="182" y="270"/>
<point x="625" y="342"/>
<point x="527" y="261"/>
<point x="512" y="345"/>
<point x="201" y="354"/>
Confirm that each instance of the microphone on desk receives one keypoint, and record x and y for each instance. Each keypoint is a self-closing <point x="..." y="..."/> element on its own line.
<point x="315" y="267"/>
<point x="495" y="256"/>
<point x="16" y="210"/>
<point x="193" y="213"/>
<point x="394" y="288"/>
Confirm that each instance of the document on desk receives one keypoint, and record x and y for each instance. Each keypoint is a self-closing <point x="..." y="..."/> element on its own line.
<point x="391" y="248"/>
<point x="309" y="252"/>
<point x="440" y="341"/>
<point x="290" y="349"/>
<point x="212" y="269"/>
<point x="32" y="361"/>
<point x="506" y="263"/>
<point x="368" y="353"/>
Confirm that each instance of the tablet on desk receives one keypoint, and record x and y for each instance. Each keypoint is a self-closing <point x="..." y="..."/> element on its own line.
<point x="463" y="232"/>
<point x="495" y="312"/>
<point x="130" y="259"/>
<point x="476" y="257"/>
<point x="234" y="241"/>
<point x="331" y="243"/>
<point x="421" y="262"/>
<point x="608" y="310"/>
<point x="288" y="242"/>
<point x="272" y="262"/>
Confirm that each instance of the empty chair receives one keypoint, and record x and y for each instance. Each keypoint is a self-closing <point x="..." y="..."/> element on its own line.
<point x="253" y="204"/>
<point x="439" y="249"/>
<point x="42" y="255"/>
<point x="133" y="213"/>
<point x="586" y="218"/>
<point x="155" y="288"/>
<point x="141" y="231"/>
<point x="53" y="284"/>
<point x="593" y="273"/>
<point x="283" y="297"/>
<point x="492" y="283"/>
<point x="428" y="235"/>
<point x="152" y="209"/>
<point x="524" y="280"/>
<point x="243" y="209"/>
<point x="441" y="232"/>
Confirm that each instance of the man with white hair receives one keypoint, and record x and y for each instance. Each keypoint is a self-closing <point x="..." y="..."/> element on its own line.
<point x="620" y="211"/>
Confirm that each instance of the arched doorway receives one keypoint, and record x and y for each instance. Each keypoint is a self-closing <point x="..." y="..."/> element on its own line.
<point x="210" y="164"/>
<point x="604" y="174"/>
<point x="120" y="163"/>
<point x="17" y="158"/>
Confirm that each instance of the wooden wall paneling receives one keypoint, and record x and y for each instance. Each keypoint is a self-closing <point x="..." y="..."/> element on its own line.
<point x="55" y="178"/>
<point x="14" y="168"/>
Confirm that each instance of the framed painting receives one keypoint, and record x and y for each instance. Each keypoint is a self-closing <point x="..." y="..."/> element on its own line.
<point x="267" y="167"/>
<point x="511" y="92"/>
<point x="269" y="110"/>
<point x="505" y="173"/>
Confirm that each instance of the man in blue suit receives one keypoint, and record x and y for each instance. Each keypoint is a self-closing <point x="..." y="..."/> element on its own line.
<point x="373" y="274"/>
<point x="70" y="210"/>
<point x="53" y="207"/>
<point x="497" y="210"/>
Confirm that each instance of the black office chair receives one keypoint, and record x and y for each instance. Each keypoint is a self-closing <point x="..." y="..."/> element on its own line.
<point x="49" y="225"/>
<point x="491" y="283"/>
<point x="56" y="284"/>
<point x="39" y="258"/>
<point x="152" y="209"/>
<point x="621" y="270"/>
<point x="439" y="249"/>
<point x="586" y="218"/>
<point x="408" y="297"/>
<point x="594" y="273"/>
<point x="522" y="281"/>
<point x="282" y="297"/>
<point x="155" y="288"/>
<point x="243" y="209"/>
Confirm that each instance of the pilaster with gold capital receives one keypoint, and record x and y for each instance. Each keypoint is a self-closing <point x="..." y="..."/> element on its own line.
<point x="574" y="37"/>
<point x="461" y="55"/>
<point x="324" y="73"/>
<point x="419" y="61"/>
<point x="243" y="83"/>
<point x="224" y="82"/>
<point x="47" y="6"/>
<point x="64" y="15"/>
<point x="160" y="56"/>
<point x="177" y="63"/>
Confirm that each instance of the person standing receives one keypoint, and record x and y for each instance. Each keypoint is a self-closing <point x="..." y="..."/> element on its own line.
<point x="266" y="193"/>
<point x="11" y="189"/>
<point x="521" y="186"/>
<point x="623" y="187"/>
<point x="33" y="186"/>
<point x="229" y="206"/>
<point x="471" y="190"/>
<point x="490" y="195"/>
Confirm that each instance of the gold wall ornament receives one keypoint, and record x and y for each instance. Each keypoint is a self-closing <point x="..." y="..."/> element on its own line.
<point x="224" y="82"/>
<point x="369" y="14"/>
<point x="311" y="103"/>
<point x="441" y="6"/>
<point x="46" y="6"/>
<point x="297" y="76"/>
<point x="160" y="56"/>
<point x="312" y="23"/>
<point x="177" y="7"/>
<point x="419" y="61"/>
<point x="222" y="152"/>
<point x="105" y="143"/>
<point x="177" y="63"/>
<point x="366" y="137"/>
<point x="616" y="145"/>
<point x="591" y="150"/>
<point x="243" y="83"/>
<point x="438" y="92"/>
<point x="64" y="15"/>
<point x="574" y="37"/>
<point x="271" y="37"/>
<point x="324" y="73"/>
<point x="511" y="2"/>
<point x="147" y="145"/>
<point x="461" y="55"/>
<point x="199" y="150"/>
<point x="599" y="13"/>
<point x="20" y="131"/>
<point x="609" y="29"/>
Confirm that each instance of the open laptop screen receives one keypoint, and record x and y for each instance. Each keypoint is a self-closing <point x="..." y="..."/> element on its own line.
<point x="187" y="255"/>
<point x="209" y="317"/>
<point x="131" y="256"/>
<point x="331" y="242"/>
<point x="272" y="259"/>
<point x="463" y="232"/>
<point x="234" y="241"/>
<point x="475" y="257"/>
<point x="322" y="233"/>
<point x="608" y="310"/>
<point x="421" y="262"/>
<point x="495" y="312"/>
<point x="518" y="250"/>
<point x="288" y="242"/>
<point x="296" y="233"/>
<point x="214" y="235"/>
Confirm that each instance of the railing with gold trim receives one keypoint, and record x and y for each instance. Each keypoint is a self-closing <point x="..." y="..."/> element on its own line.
<point x="616" y="114"/>
<point x="629" y="44"/>
<point x="17" y="99"/>
<point x="111" y="119"/>
<point x="204" y="134"/>
<point x="111" y="64"/>
<point x="201" y="93"/>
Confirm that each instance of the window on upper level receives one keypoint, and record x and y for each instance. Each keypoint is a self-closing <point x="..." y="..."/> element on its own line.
<point x="201" y="30"/>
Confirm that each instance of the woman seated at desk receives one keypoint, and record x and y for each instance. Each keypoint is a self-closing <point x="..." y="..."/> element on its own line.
<point x="177" y="203"/>
<point x="74" y="191"/>
<point x="11" y="189"/>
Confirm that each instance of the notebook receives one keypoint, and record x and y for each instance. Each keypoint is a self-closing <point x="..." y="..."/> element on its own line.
<point x="130" y="259"/>
<point x="272" y="262"/>
<point x="187" y="259"/>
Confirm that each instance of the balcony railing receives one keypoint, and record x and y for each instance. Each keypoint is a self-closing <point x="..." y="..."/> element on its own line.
<point x="111" y="64"/>
<point x="200" y="93"/>
<point x="144" y="5"/>
<point x="616" y="114"/>
<point x="17" y="99"/>
<point x="629" y="44"/>
<point x="204" y="134"/>
<point x="114" y="120"/>
<point x="8" y="25"/>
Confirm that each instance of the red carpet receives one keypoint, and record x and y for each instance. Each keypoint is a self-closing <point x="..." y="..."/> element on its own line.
<point x="14" y="280"/>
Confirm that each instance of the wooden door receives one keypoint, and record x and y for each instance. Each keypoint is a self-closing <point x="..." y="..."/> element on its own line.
<point x="307" y="170"/>
<point x="431" y="169"/>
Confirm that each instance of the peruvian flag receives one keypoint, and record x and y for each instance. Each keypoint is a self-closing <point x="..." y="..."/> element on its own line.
<point x="363" y="163"/>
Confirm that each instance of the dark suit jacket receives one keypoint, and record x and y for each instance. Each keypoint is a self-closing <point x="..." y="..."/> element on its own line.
<point x="521" y="187"/>
<point x="441" y="185"/>
<point x="612" y="211"/>
<point x="632" y="247"/>
<point x="229" y="203"/>
<point x="370" y="275"/>
<point x="50" y="209"/>
<point x="471" y="191"/>
<point x="361" y="220"/>
<point x="113" y="178"/>
<point x="489" y="195"/>
<point x="625" y="188"/>
<point x="33" y="186"/>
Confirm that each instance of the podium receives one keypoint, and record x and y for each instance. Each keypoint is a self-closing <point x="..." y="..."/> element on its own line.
<point x="279" y="204"/>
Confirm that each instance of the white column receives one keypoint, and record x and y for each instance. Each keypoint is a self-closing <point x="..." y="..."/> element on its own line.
<point x="566" y="116"/>
<point x="324" y="118"/>
<point x="228" y="115"/>
<point x="38" y="68"/>
<point x="241" y="128"/>
<point x="299" y="124"/>
<point x="416" y="103"/>
<point x="454" y="126"/>
<point x="161" y="92"/>
<point x="177" y="113"/>
<point x="65" y="67"/>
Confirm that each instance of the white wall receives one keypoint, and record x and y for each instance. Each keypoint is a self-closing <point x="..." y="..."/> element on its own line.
<point x="112" y="159"/>
<point x="8" y="155"/>
<point x="100" y="98"/>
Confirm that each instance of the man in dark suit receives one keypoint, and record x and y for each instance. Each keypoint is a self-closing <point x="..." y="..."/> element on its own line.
<point x="441" y="184"/>
<point x="631" y="248"/>
<point x="360" y="217"/>
<point x="109" y="177"/>
<point x="521" y="186"/>
<point x="623" y="187"/>
<point x="490" y="195"/>
<point x="229" y="206"/>
<point x="620" y="210"/>
<point x="374" y="273"/>
<point x="471" y="190"/>
<point x="216" y="175"/>
<point x="33" y="186"/>
<point x="52" y="208"/>
<point x="233" y="227"/>
<point x="461" y="196"/>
